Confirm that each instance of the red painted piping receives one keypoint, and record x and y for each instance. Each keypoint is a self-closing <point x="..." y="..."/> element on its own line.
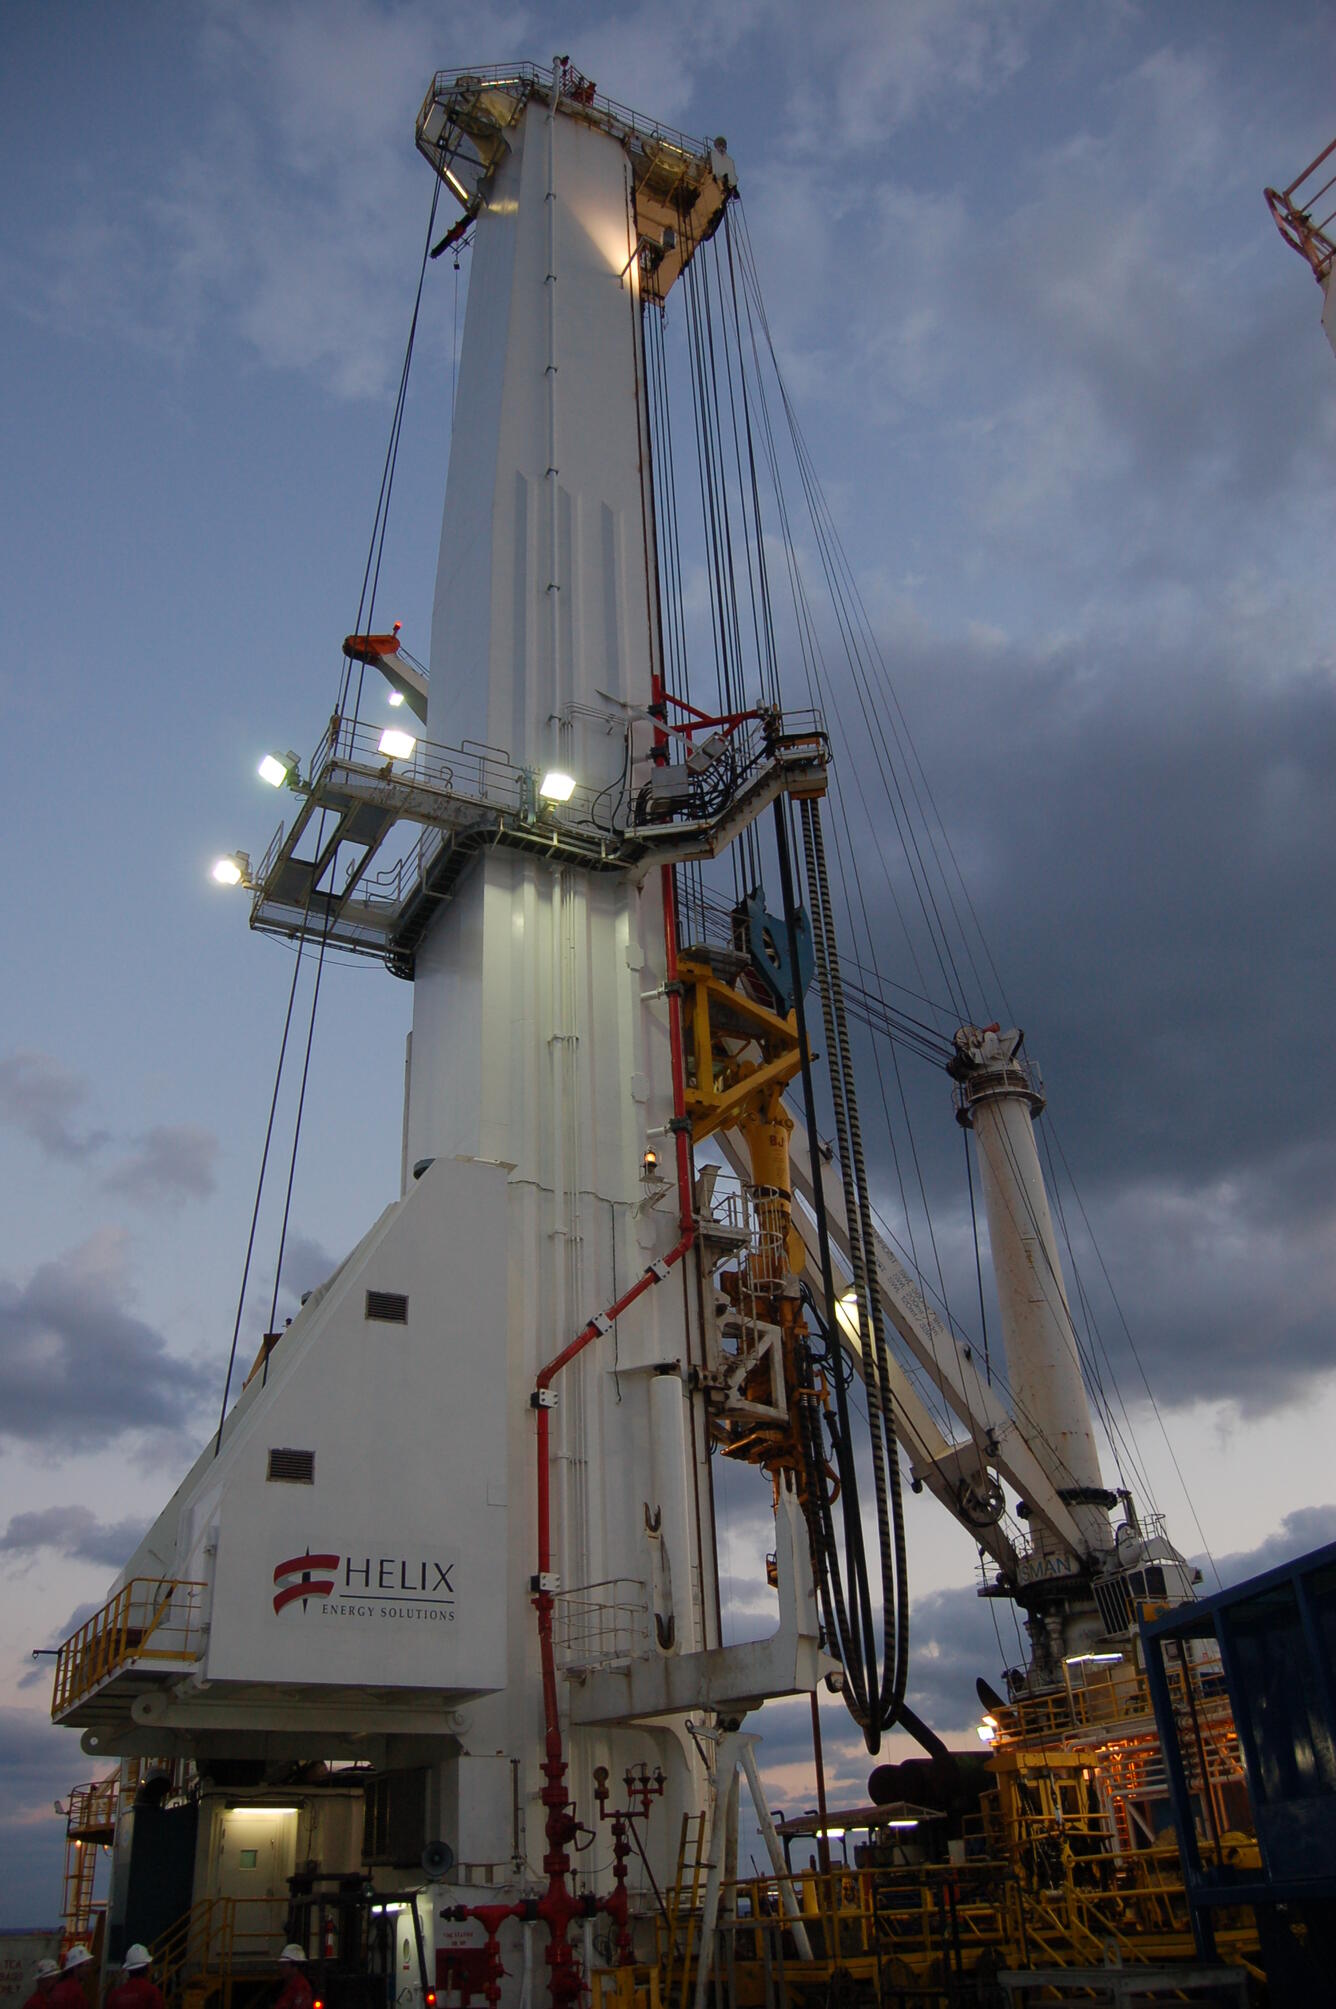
<point x="558" y="1906"/>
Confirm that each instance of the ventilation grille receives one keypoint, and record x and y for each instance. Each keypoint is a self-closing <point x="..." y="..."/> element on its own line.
<point x="292" y="1468"/>
<point x="390" y="1307"/>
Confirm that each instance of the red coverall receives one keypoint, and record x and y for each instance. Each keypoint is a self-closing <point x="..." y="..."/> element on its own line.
<point x="297" y="1994"/>
<point x="136" y="1992"/>
<point x="68" y="1992"/>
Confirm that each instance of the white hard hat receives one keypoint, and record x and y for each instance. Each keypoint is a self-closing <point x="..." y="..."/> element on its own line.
<point x="292" y="1952"/>
<point x="78" y="1956"/>
<point x="46" y="1968"/>
<point x="136" y="1956"/>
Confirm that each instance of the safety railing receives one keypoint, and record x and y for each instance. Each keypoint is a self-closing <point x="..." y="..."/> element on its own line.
<point x="600" y="1625"/>
<point x="198" y="1945"/>
<point x="1121" y="1699"/>
<point x="1293" y="209"/>
<point x="906" y="1927"/>
<point x="156" y="1619"/>
<point x="201" y="1953"/>
<point x="527" y="78"/>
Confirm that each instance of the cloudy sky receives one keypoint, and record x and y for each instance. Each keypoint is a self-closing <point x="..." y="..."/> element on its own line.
<point x="1069" y="399"/>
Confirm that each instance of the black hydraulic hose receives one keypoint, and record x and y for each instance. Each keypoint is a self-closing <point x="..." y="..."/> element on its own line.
<point x="854" y="1651"/>
<point x="862" y="1251"/>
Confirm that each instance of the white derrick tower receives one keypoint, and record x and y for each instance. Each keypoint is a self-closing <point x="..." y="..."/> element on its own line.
<point x="458" y="1526"/>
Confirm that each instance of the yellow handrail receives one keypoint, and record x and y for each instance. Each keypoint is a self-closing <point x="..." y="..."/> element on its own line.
<point x="147" y="1619"/>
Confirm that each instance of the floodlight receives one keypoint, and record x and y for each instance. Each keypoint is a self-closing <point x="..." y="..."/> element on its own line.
<point x="276" y="768"/>
<point x="396" y="698"/>
<point x="556" y="786"/>
<point x="398" y="745"/>
<point x="233" y="870"/>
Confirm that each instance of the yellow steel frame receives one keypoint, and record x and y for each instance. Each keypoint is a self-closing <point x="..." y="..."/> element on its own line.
<point x="726" y="1087"/>
<point x="891" y="1929"/>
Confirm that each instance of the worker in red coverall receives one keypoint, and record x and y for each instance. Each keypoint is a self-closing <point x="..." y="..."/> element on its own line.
<point x="296" y="1988"/>
<point x="44" y="1980"/>
<point x="137" y="1990"/>
<point x="69" y="1992"/>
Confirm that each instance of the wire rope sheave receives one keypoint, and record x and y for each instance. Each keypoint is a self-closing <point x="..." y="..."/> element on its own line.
<point x="680" y="185"/>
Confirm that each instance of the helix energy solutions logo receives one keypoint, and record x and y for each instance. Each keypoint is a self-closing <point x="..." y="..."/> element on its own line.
<point x="365" y="1588"/>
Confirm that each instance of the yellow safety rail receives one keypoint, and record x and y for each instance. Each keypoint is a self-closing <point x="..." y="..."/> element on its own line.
<point x="90" y="1821"/>
<point x="199" y="1945"/>
<point x="1121" y="1700"/>
<point x="148" y="1619"/>
<point x="895" y="1929"/>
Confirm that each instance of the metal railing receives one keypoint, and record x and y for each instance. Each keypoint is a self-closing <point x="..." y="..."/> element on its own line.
<point x="202" y="1951"/>
<point x="600" y="1625"/>
<point x="148" y="1619"/>
<point x="1120" y="1701"/>
<point x="528" y="78"/>
<point x="904" y="1932"/>
<point x="1293" y="208"/>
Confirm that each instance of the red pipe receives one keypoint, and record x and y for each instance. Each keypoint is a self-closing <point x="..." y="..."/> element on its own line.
<point x="558" y="1906"/>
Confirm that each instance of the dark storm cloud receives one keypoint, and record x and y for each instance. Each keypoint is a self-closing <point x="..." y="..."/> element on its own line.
<point x="1102" y="611"/>
<point x="75" y="1361"/>
<point x="42" y="1097"/>
<point x="1306" y="1528"/>
<point x="1146" y="851"/>
<point x="75" y="1532"/>
<point x="171" y="1163"/>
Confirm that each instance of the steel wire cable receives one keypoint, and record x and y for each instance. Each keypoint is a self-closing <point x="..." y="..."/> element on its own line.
<point x="851" y="619"/>
<point x="821" y="691"/>
<point x="1136" y="1355"/>
<point x="255" y="1210"/>
<point x="836" y="566"/>
<point x="1121" y="1439"/>
<point x="371" y="574"/>
<point x="819" y="688"/>
<point x="301" y="1106"/>
<point x="850" y="596"/>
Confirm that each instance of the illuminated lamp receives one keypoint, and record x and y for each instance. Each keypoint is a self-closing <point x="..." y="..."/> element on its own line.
<point x="232" y="870"/>
<point x="276" y="768"/>
<point x="397" y="745"/>
<point x="556" y="786"/>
